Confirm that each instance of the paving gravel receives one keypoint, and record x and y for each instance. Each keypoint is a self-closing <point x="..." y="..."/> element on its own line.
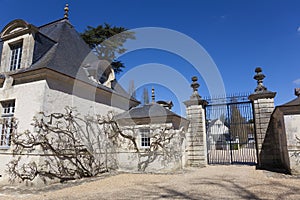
<point x="212" y="182"/>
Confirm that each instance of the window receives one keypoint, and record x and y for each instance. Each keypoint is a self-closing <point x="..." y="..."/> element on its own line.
<point x="6" y="128"/>
<point x="15" y="57"/>
<point x="145" y="137"/>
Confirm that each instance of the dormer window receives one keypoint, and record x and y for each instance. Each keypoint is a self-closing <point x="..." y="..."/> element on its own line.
<point x="18" y="43"/>
<point x="16" y="56"/>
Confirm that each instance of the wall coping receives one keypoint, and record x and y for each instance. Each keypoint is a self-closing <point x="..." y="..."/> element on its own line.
<point x="192" y="102"/>
<point x="262" y="95"/>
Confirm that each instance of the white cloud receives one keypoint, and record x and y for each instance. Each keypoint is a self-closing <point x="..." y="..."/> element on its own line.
<point x="298" y="29"/>
<point x="297" y="81"/>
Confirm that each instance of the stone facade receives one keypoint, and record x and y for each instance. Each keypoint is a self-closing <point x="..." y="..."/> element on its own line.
<point x="160" y="137"/>
<point x="263" y="107"/>
<point x="196" y="137"/>
<point x="281" y="148"/>
<point x="49" y="78"/>
<point x="147" y="159"/>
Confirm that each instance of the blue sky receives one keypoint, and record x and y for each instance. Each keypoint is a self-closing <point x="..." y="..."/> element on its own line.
<point x="239" y="35"/>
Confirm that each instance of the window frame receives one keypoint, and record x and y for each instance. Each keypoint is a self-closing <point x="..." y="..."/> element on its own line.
<point x="15" y="58"/>
<point x="7" y="114"/>
<point x="145" y="138"/>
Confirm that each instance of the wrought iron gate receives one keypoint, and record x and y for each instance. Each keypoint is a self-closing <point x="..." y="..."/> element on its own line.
<point x="230" y="131"/>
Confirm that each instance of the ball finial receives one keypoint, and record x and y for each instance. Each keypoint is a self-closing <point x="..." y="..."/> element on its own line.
<point x="66" y="9"/>
<point x="153" y="95"/>
<point x="259" y="77"/>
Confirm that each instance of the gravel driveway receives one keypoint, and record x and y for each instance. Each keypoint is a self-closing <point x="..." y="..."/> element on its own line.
<point x="212" y="182"/>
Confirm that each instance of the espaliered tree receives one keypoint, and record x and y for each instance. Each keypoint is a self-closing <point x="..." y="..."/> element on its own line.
<point x="71" y="147"/>
<point x="107" y="41"/>
<point x="296" y="154"/>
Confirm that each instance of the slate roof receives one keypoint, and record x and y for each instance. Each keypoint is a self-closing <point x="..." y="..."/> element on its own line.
<point x="289" y="108"/>
<point x="59" y="47"/>
<point x="295" y="102"/>
<point x="67" y="54"/>
<point x="151" y="112"/>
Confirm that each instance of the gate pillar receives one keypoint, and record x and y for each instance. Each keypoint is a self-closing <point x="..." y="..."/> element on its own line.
<point x="196" y="135"/>
<point x="263" y="107"/>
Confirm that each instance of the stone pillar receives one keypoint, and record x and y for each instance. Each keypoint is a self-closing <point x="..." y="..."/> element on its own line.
<point x="196" y="135"/>
<point x="263" y="107"/>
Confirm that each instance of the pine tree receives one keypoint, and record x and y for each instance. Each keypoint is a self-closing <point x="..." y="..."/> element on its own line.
<point x="238" y="125"/>
<point x="96" y="38"/>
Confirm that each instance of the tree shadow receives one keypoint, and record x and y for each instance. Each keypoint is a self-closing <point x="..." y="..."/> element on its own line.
<point x="216" y="188"/>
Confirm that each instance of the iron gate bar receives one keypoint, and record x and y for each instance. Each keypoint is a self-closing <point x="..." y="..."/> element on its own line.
<point x="230" y="145"/>
<point x="234" y="141"/>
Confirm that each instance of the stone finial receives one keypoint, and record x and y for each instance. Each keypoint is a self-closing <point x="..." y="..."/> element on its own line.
<point x="259" y="76"/>
<point x="261" y="92"/>
<point x="153" y="95"/>
<point x="297" y="92"/>
<point x="195" y="99"/>
<point x="195" y="85"/>
<point x="66" y="9"/>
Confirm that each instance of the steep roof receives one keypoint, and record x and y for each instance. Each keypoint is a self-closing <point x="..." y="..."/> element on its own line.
<point x="59" y="47"/>
<point x="69" y="51"/>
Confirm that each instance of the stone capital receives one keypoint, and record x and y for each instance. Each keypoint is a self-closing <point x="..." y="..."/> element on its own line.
<point x="192" y="102"/>
<point x="262" y="95"/>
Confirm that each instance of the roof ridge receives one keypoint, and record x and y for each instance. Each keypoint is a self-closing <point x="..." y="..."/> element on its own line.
<point x="56" y="21"/>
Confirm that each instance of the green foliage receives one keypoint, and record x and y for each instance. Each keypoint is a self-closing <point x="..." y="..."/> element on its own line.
<point x="107" y="41"/>
<point x="239" y="128"/>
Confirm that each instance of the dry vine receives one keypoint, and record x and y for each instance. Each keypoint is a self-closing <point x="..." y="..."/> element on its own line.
<point x="296" y="154"/>
<point x="163" y="143"/>
<point x="70" y="147"/>
<point x="66" y="146"/>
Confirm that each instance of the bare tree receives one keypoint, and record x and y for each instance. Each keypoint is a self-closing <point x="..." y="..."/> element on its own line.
<point x="165" y="143"/>
<point x="69" y="146"/>
<point x="66" y="146"/>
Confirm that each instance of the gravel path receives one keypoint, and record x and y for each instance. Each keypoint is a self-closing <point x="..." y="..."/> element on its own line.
<point x="212" y="182"/>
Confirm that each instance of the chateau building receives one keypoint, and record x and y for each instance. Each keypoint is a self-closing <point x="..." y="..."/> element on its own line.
<point x="46" y="68"/>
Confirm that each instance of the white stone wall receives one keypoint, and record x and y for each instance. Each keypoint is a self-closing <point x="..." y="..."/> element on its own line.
<point x="28" y="102"/>
<point x="129" y="159"/>
<point x="292" y="129"/>
<point x="56" y="101"/>
<point x="31" y="98"/>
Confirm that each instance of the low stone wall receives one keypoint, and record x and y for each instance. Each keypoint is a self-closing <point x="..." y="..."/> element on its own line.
<point x="273" y="155"/>
<point x="166" y="152"/>
<point x="281" y="146"/>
